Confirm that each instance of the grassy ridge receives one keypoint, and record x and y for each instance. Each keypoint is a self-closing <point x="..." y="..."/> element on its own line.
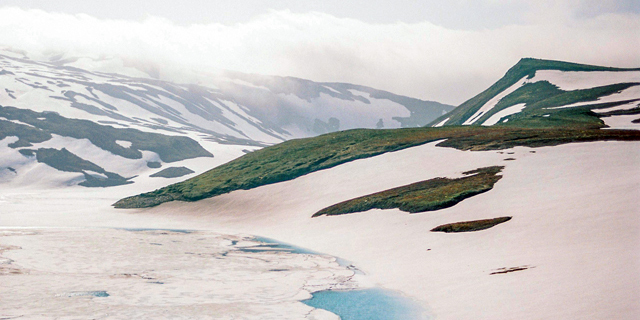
<point x="294" y="158"/>
<point x="428" y="195"/>
<point x="524" y="68"/>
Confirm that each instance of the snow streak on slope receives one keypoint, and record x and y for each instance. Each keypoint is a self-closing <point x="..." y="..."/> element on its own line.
<point x="492" y="103"/>
<point x="575" y="80"/>
<point x="496" y="117"/>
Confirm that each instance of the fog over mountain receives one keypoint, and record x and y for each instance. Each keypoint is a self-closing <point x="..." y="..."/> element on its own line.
<point x="427" y="59"/>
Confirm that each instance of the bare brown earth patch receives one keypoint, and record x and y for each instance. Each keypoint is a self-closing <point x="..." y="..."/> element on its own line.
<point x="512" y="269"/>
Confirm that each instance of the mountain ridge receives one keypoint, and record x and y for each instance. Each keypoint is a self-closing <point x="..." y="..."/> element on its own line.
<point x="525" y="68"/>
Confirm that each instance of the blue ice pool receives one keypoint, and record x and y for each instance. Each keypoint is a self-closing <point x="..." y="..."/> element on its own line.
<point x="99" y="294"/>
<point x="272" y="245"/>
<point x="368" y="304"/>
<point x="269" y="244"/>
<point x="154" y="229"/>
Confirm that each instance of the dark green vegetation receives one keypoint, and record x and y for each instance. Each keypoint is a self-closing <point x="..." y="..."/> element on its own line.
<point x="172" y="172"/>
<point x="154" y="164"/>
<point x="26" y="134"/>
<point x="538" y="114"/>
<point x="169" y="148"/>
<point x="468" y="226"/>
<point x="294" y="158"/>
<point x="538" y="96"/>
<point x="428" y="195"/>
<point x="64" y="160"/>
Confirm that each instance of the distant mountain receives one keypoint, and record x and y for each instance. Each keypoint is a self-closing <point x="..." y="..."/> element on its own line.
<point x="543" y="93"/>
<point x="238" y="108"/>
<point x="53" y="111"/>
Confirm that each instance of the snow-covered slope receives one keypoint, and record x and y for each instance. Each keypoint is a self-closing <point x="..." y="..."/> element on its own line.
<point x="572" y="242"/>
<point x="536" y="89"/>
<point x="231" y="113"/>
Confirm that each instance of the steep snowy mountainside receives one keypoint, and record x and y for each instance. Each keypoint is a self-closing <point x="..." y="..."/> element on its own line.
<point x="543" y="93"/>
<point x="46" y="149"/>
<point x="48" y="109"/>
<point x="301" y="101"/>
<point x="234" y="107"/>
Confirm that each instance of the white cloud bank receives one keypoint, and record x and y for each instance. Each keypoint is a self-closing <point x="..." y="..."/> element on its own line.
<point x="420" y="59"/>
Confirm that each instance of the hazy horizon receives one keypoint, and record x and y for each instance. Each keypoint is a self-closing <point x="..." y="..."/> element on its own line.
<point x="446" y="52"/>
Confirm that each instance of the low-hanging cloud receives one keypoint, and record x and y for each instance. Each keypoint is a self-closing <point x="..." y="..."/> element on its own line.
<point x="422" y="60"/>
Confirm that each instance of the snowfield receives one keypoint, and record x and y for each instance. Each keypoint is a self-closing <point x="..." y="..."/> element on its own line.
<point x="574" y="232"/>
<point x="572" y="255"/>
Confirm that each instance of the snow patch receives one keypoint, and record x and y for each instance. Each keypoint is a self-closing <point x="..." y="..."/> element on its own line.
<point x="630" y="93"/>
<point x="626" y="106"/>
<point x="441" y="123"/>
<point x="496" y="117"/>
<point x="332" y="89"/>
<point x="575" y="80"/>
<point x="96" y="174"/>
<point x="622" y="122"/>
<point x="124" y="143"/>
<point x="17" y="122"/>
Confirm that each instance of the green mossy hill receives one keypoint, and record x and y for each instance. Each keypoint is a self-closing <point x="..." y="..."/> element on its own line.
<point x="541" y="93"/>
<point x="169" y="148"/>
<point x="294" y="158"/>
<point x="467" y="226"/>
<point x="428" y="195"/>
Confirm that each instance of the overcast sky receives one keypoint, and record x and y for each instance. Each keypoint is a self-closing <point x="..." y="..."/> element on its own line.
<point x="438" y="50"/>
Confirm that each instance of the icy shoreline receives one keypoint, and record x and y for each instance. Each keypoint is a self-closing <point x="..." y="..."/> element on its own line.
<point x="159" y="273"/>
